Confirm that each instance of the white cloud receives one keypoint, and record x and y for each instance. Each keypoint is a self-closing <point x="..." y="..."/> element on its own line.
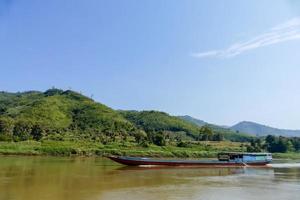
<point x="287" y="31"/>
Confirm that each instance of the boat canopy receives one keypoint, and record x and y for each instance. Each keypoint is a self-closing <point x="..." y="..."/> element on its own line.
<point x="244" y="157"/>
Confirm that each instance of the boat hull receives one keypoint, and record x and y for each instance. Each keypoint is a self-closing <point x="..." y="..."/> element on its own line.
<point x="133" y="161"/>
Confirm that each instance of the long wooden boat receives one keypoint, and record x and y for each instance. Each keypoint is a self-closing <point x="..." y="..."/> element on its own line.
<point x="232" y="159"/>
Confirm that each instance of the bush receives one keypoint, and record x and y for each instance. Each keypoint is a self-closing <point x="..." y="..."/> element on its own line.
<point x="6" y="138"/>
<point x="6" y="126"/>
<point x="183" y="144"/>
<point x="22" y="130"/>
<point x="159" y="139"/>
<point x="37" y="132"/>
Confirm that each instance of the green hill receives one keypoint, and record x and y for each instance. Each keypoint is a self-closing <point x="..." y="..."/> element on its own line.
<point x="193" y="120"/>
<point x="67" y="113"/>
<point x="57" y="122"/>
<point x="160" y="121"/>
<point x="179" y="125"/>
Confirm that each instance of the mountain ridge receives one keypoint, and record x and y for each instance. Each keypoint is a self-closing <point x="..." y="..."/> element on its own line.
<point x="247" y="127"/>
<point x="196" y="121"/>
<point x="258" y="129"/>
<point x="228" y="133"/>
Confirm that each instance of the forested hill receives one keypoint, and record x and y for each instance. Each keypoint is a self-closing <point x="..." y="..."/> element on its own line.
<point x="70" y="118"/>
<point x="67" y="115"/>
<point x="150" y="121"/>
<point x="193" y="120"/>
<point x="181" y="126"/>
<point x="58" y="113"/>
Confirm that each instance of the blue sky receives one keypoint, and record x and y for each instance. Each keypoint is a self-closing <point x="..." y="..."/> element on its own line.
<point x="220" y="61"/>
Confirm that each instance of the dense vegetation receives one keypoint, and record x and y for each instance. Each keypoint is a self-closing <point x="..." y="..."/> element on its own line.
<point x="59" y="115"/>
<point x="193" y="120"/>
<point x="61" y="122"/>
<point x="69" y="116"/>
<point x="161" y="124"/>
<point x="275" y="144"/>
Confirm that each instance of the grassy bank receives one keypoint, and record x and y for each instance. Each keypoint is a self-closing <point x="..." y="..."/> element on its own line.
<point x="290" y="155"/>
<point x="64" y="148"/>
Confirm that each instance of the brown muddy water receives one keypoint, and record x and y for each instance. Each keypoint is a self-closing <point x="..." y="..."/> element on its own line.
<point x="61" y="178"/>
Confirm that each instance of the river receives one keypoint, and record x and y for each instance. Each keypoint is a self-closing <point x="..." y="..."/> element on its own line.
<point x="64" y="178"/>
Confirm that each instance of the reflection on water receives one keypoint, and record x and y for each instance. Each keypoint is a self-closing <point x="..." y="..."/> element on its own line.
<point x="285" y="165"/>
<point x="32" y="178"/>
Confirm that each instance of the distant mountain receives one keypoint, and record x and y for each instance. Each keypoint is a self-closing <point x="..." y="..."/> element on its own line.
<point x="193" y="120"/>
<point x="228" y="133"/>
<point x="262" y="130"/>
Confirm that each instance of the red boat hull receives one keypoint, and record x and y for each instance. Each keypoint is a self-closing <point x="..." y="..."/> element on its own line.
<point x="131" y="161"/>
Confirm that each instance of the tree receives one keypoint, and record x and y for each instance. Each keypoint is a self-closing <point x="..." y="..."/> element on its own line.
<point x="296" y="143"/>
<point x="271" y="142"/>
<point x="277" y="144"/>
<point x="37" y="132"/>
<point x="53" y="91"/>
<point x="255" y="145"/>
<point x="159" y="139"/>
<point x="6" y="128"/>
<point x="290" y="146"/>
<point x="140" y="136"/>
<point x="202" y="137"/>
<point x="2" y="108"/>
<point x="22" y="130"/>
<point x="282" y="145"/>
<point x="182" y="144"/>
<point x="218" y="137"/>
<point x="205" y="133"/>
<point x="270" y="139"/>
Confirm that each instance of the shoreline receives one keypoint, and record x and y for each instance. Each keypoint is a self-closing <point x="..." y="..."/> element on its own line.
<point x="90" y="149"/>
<point x="276" y="156"/>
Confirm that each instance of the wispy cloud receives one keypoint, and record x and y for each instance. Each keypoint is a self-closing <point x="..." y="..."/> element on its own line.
<point x="287" y="31"/>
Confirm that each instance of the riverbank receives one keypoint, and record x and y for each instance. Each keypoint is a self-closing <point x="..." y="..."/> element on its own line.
<point x="68" y="148"/>
<point x="84" y="148"/>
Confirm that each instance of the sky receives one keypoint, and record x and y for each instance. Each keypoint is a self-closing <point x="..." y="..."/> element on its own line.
<point x="222" y="61"/>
